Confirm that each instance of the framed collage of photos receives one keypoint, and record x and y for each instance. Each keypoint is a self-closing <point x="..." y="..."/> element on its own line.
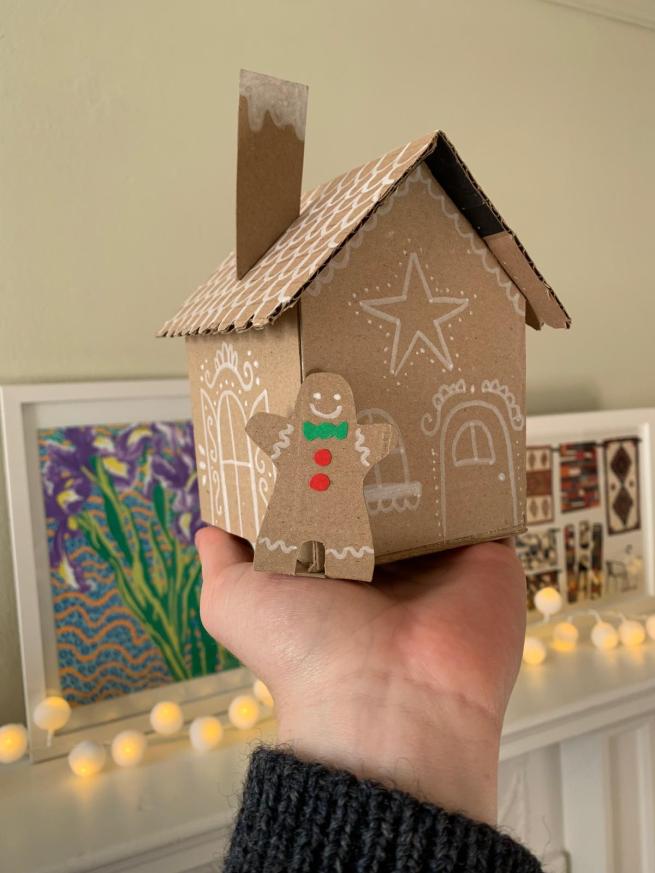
<point x="589" y="507"/>
<point x="104" y="506"/>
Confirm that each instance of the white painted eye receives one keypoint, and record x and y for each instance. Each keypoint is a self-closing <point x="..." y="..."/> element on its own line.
<point x="337" y="396"/>
<point x="316" y="395"/>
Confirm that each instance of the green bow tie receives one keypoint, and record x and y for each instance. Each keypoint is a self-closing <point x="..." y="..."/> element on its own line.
<point x="325" y="430"/>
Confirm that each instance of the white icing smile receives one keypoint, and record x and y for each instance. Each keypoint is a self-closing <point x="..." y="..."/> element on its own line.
<point x="335" y="412"/>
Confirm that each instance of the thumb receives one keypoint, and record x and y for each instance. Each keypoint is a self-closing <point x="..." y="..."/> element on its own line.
<point x="219" y="550"/>
<point x="235" y="600"/>
<point x="268" y="621"/>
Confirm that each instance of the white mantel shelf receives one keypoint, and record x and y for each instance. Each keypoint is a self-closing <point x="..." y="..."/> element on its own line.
<point x="177" y="802"/>
<point x="174" y="811"/>
<point x="578" y="692"/>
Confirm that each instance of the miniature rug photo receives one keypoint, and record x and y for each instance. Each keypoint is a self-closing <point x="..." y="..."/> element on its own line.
<point x="584" y="509"/>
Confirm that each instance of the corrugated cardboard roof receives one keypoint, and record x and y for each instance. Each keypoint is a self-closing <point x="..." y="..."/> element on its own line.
<point x="329" y="216"/>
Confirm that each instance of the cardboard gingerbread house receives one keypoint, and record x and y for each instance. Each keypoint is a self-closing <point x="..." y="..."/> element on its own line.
<point x="401" y="277"/>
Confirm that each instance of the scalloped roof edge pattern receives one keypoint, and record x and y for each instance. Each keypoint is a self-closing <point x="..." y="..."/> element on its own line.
<point x="329" y="216"/>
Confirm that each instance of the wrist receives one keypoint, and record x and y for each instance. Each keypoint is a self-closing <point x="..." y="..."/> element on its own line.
<point x="438" y="747"/>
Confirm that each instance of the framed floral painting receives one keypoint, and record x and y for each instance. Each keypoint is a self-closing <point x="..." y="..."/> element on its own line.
<point x="104" y="507"/>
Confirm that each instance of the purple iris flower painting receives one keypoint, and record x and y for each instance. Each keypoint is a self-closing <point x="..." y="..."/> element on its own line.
<point x="121" y="504"/>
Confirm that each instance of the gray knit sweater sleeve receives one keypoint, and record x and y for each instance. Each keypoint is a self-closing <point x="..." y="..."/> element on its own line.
<point x="306" y="818"/>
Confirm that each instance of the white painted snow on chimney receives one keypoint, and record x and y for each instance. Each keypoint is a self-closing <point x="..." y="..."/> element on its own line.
<point x="285" y="101"/>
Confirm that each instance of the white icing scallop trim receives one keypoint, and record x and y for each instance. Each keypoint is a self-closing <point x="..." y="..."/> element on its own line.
<point x="513" y="408"/>
<point x="430" y="423"/>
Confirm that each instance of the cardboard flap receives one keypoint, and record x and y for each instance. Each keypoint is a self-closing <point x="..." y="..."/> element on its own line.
<point x="317" y="520"/>
<point x="271" y="144"/>
<point x="543" y="306"/>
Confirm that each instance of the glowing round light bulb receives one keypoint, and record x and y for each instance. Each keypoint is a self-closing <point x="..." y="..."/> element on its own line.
<point x="52" y="713"/>
<point x="604" y="636"/>
<point x="205" y="733"/>
<point x="87" y="758"/>
<point x="262" y="693"/>
<point x="548" y="601"/>
<point x="635" y="566"/>
<point x="243" y="712"/>
<point x="534" y="651"/>
<point x="128" y="748"/>
<point x="631" y="633"/>
<point x="650" y="626"/>
<point x="565" y="636"/>
<point x="13" y="743"/>
<point x="166" y="718"/>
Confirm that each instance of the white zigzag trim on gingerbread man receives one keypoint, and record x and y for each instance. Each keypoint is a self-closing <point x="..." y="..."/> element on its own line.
<point x="282" y="443"/>
<point x="361" y="447"/>
<point x="356" y="553"/>
<point x="278" y="544"/>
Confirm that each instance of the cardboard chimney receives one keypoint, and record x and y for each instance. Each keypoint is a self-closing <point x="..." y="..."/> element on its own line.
<point x="401" y="278"/>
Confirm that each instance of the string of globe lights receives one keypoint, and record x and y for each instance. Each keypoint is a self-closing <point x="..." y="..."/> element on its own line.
<point x="128" y="747"/>
<point x="630" y="631"/>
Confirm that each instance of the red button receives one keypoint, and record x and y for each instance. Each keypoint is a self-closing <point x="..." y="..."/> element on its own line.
<point x="319" y="482"/>
<point x="323" y="457"/>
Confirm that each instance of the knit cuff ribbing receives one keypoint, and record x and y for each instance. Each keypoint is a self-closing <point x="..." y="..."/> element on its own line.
<point x="305" y="818"/>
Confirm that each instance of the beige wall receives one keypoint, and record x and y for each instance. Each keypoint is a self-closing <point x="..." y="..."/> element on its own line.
<point x="117" y="170"/>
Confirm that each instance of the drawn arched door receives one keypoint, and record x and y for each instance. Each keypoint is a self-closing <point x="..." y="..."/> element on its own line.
<point x="238" y="476"/>
<point x="478" y="479"/>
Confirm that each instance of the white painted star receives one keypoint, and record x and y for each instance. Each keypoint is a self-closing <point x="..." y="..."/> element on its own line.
<point x="413" y="315"/>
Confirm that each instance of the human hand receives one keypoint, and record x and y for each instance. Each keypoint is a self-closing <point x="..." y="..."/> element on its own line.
<point x="404" y="680"/>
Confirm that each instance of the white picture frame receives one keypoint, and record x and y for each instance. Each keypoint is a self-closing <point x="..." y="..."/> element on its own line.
<point x="551" y="430"/>
<point x="25" y="410"/>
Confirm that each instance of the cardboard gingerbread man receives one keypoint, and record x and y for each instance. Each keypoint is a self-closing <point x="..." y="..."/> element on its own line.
<point x="322" y="455"/>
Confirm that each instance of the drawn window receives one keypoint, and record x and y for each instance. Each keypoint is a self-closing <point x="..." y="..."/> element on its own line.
<point x="473" y="445"/>
<point x="389" y="485"/>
